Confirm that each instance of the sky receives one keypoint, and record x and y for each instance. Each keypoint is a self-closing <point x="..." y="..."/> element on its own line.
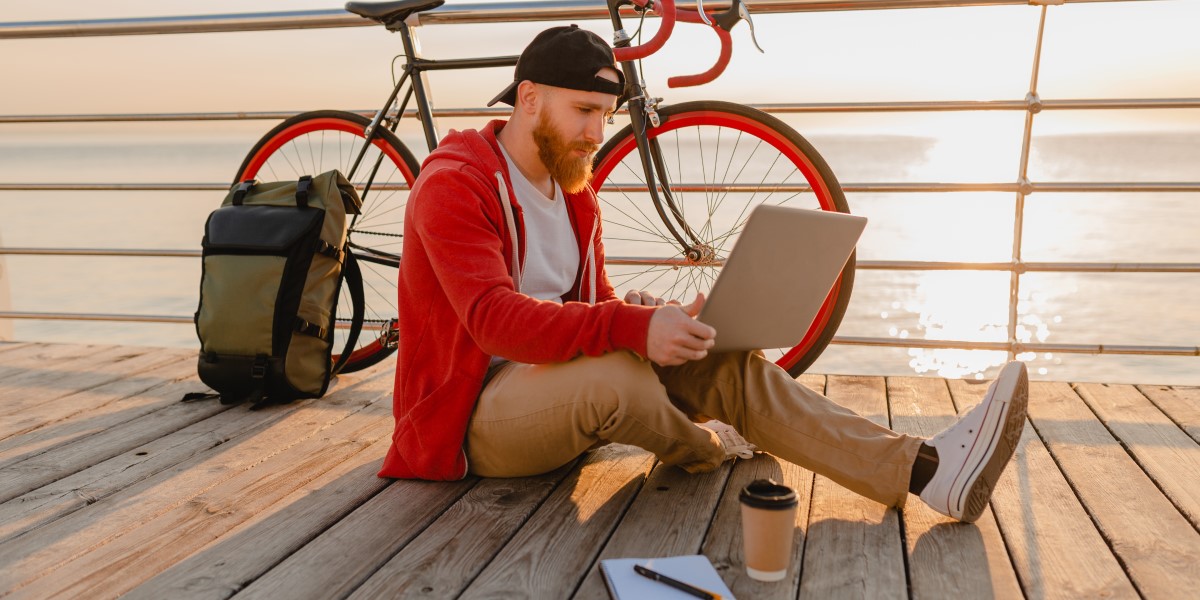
<point x="1092" y="50"/>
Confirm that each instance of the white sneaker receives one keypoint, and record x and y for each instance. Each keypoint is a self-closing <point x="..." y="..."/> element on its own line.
<point x="974" y="450"/>
<point x="734" y="443"/>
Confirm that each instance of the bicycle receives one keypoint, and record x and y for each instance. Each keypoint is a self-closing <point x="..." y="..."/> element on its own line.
<point x="700" y="191"/>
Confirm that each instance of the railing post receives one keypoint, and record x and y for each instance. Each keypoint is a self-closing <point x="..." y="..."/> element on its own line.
<point x="1024" y="188"/>
<point x="6" y="325"/>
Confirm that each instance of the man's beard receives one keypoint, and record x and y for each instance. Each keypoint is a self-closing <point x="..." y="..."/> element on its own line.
<point x="571" y="172"/>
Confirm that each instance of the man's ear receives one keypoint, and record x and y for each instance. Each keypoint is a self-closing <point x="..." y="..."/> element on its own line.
<point x="528" y="97"/>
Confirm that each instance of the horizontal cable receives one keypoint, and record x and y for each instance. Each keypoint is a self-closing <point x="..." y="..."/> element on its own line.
<point x="61" y="316"/>
<point x="146" y="187"/>
<point x="872" y="188"/>
<point x="1029" y="267"/>
<point x="777" y="108"/>
<point x="1018" y="347"/>
<point x="879" y="265"/>
<point x="505" y="12"/>
<point x="842" y="340"/>
<point x="128" y="252"/>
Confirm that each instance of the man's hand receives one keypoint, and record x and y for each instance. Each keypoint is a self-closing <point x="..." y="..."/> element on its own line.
<point x="643" y="298"/>
<point x="675" y="335"/>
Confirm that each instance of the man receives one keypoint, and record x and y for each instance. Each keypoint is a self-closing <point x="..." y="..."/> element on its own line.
<point x="516" y="354"/>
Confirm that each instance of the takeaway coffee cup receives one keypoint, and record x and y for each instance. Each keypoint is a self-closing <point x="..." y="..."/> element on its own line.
<point x="768" y="522"/>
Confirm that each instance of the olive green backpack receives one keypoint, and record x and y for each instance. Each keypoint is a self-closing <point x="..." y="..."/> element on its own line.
<point x="274" y="257"/>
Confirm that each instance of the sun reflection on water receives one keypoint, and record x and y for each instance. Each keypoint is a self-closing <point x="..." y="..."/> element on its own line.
<point x="963" y="306"/>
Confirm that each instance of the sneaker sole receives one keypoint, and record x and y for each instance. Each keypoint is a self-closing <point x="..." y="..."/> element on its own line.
<point x="979" y="492"/>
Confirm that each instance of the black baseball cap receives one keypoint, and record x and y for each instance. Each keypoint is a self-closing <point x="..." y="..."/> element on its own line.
<point x="566" y="57"/>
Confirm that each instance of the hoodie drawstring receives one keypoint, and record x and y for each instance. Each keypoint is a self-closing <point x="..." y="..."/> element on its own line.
<point x="591" y="261"/>
<point x="512" y="230"/>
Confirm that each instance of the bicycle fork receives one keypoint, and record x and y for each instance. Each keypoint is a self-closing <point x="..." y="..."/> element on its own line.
<point x="643" y="116"/>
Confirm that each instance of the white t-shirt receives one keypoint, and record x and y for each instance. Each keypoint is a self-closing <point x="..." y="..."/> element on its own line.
<point x="551" y="250"/>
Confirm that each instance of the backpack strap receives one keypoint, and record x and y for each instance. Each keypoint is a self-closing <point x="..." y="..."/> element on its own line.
<point x="302" y="188"/>
<point x="243" y="188"/>
<point x="354" y="281"/>
<point x="194" y="396"/>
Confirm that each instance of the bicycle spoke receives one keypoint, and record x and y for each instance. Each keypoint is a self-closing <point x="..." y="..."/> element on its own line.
<point x="645" y="218"/>
<point x="704" y="180"/>
<point x="650" y="269"/>
<point x="740" y="171"/>
<point x="716" y="157"/>
<point x="342" y="166"/>
<point x="628" y="226"/>
<point x="284" y="155"/>
<point x="737" y="142"/>
<point x="391" y="302"/>
<point x="679" y="173"/>
<point x="620" y="239"/>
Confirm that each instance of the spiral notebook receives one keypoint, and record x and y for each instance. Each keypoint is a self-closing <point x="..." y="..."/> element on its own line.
<point x="625" y="584"/>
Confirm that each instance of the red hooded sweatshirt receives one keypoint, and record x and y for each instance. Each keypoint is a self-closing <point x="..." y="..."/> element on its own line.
<point x="460" y="303"/>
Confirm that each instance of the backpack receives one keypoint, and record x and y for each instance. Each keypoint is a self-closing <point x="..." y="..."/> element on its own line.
<point x="274" y="256"/>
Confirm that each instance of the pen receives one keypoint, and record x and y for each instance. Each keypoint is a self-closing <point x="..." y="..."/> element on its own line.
<point x="679" y="585"/>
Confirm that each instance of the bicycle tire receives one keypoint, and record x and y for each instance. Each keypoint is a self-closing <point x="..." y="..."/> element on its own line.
<point x="759" y="143"/>
<point x="314" y="142"/>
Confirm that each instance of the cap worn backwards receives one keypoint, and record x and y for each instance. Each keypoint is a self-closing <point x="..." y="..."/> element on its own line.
<point x="566" y="57"/>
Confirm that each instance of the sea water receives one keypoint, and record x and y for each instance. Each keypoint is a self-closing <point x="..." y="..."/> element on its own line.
<point x="1066" y="308"/>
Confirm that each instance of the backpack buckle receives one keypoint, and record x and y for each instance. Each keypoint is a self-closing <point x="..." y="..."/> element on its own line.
<point x="258" y="370"/>
<point x="312" y="329"/>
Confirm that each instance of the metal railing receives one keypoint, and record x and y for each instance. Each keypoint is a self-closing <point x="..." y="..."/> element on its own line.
<point x="1031" y="105"/>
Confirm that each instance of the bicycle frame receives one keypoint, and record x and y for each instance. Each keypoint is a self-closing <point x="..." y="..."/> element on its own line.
<point x="641" y="113"/>
<point x="415" y="68"/>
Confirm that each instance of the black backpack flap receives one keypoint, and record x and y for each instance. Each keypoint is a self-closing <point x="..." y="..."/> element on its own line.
<point x="259" y="228"/>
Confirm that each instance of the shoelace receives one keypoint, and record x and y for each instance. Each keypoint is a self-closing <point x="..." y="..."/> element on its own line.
<point x="734" y="443"/>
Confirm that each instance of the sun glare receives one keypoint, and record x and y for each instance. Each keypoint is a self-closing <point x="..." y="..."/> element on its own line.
<point x="964" y="306"/>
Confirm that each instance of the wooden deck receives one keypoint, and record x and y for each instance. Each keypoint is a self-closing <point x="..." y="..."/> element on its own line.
<point x="110" y="485"/>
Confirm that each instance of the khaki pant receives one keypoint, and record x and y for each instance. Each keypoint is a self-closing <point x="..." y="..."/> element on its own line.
<point x="532" y="419"/>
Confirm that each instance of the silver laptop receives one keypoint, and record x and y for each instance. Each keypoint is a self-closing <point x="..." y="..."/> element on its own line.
<point x="777" y="276"/>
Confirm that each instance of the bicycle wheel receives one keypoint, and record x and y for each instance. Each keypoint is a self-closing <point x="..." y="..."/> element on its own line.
<point x="315" y="142"/>
<point x="722" y="159"/>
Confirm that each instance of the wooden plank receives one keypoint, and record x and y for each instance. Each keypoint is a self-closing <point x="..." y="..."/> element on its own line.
<point x="141" y="552"/>
<point x="946" y="559"/>
<point x="335" y="563"/>
<point x="1154" y="542"/>
<point x="1182" y="404"/>
<point x="138" y="463"/>
<point x="64" y="496"/>
<point x="252" y="548"/>
<point x="550" y="555"/>
<point x="668" y="517"/>
<point x="51" y="367"/>
<point x="1055" y="547"/>
<point x="1163" y="450"/>
<point x="60" y="379"/>
<point x="28" y="362"/>
<point x="346" y="556"/>
<point x="49" y="546"/>
<point x="854" y="548"/>
<point x="6" y="346"/>
<point x="454" y="549"/>
<point x="78" y="416"/>
<point x="79" y="454"/>
<point x="723" y="543"/>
